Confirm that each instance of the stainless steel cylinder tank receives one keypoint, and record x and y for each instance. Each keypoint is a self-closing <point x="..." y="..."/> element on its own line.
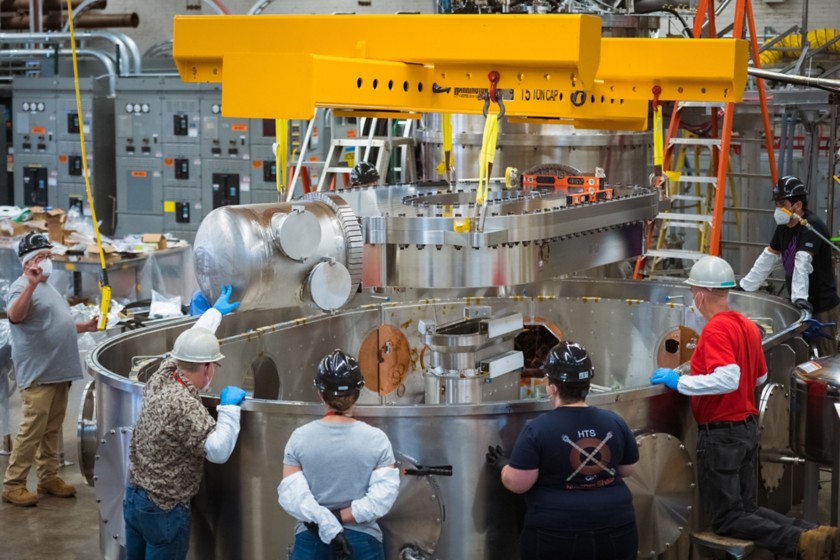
<point x="625" y="156"/>
<point x="815" y="389"/>
<point x="281" y="255"/>
<point x="461" y="510"/>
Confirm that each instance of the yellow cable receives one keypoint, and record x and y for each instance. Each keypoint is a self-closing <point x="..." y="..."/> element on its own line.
<point x="281" y="156"/>
<point x="105" y="296"/>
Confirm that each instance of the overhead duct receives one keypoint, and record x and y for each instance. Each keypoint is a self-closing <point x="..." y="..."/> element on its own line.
<point x="55" y="21"/>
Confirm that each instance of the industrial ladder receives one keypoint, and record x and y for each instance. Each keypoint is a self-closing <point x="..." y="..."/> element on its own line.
<point x="335" y="164"/>
<point x="718" y="142"/>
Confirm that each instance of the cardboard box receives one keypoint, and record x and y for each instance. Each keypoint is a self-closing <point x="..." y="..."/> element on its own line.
<point x="93" y="248"/>
<point x="53" y="220"/>
<point x="11" y="228"/>
<point x="155" y="239"/>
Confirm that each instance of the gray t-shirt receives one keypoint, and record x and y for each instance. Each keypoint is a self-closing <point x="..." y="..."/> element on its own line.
<point x="44" y="345"/>
<point x="337" y="460"/>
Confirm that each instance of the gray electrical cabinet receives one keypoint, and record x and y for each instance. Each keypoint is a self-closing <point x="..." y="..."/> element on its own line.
<point x="35" y="138"/>
<point x="139" y="154"/>
<point x="47" y="127"/>
<point x="263" y="161"/>
<point x="225" y="154"/>
<point x="182" y="173"/>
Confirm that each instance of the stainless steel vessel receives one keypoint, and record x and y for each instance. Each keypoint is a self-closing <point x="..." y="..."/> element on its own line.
<point x="467" y="514"/>
<point x="815" y="389"/>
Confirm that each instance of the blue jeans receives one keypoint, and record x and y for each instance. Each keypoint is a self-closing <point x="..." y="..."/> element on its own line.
<point x="152" y="533"/>
<point x="726" y="478"/>
<point x="619" y="543"/>
<point x="309" y="547"/>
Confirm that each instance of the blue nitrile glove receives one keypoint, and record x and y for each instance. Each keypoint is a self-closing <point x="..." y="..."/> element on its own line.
<point x="198" y="304"/>
<point x="665" y="376"/>
<point x="223" y="304"/>
<point x="815" y="330"/>
<point x="232" y="395"/>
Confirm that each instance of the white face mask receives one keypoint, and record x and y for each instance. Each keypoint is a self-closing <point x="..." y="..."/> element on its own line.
<point x="46" y="267"/>
<point x="781" y="217"/>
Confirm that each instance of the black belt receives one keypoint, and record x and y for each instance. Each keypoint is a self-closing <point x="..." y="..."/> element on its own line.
<point x="727" y="424"/>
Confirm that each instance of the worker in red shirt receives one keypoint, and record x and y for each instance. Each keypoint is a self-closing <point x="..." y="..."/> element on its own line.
<point x="727" y="366"/>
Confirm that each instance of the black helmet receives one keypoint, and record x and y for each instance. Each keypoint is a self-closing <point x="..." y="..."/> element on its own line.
<point x="339" y="374"/>
<point x="568" y="362"/>
<point x="789" y="187"/>
<point x="33" y="242"/>
<point x="363" y="173"/>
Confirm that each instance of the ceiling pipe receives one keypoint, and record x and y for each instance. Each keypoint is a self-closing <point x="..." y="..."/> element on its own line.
<point x="121" y="50"/>
<point x="218" y="7"/>
<point x="81" y="8"/>
<point x="50" y="5"/>
<point x="55" y="20"/>
<point x="129" y="43"/>
<point x="107" y="62"/>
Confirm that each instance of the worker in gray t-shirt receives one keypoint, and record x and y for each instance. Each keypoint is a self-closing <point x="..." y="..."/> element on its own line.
<point x="46" y="357"/>
<point x="339" y="474"/>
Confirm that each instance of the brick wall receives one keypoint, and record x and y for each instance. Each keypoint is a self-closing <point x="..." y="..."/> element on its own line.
<point x="783" y="15"/>
<point x="156" y="15"/>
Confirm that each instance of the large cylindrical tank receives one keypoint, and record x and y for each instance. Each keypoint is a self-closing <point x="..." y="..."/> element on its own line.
<point x="281" y="255"/>
<point x="815" y="389"/>
<point x="625" y="156"/>
<point x="468" y="514"/>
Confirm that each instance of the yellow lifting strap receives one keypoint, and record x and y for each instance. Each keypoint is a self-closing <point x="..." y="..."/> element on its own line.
<point x="446" y="164"/>
<point x="658" y="141"/>
<point x="105" y="288"/>
<point x="281" y="154"/>
<point x="488" y="154"/>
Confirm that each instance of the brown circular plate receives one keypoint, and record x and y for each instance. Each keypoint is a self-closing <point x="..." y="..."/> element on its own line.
<point x="384" y="358"/>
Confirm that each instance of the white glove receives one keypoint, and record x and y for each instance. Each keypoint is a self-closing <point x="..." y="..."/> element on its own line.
<point x="383" y="487"/>
<point x="295" y="496"/>
<point x="762" y="268"/>
<point x="802" y="269"/>
<point x="220" y="443"/>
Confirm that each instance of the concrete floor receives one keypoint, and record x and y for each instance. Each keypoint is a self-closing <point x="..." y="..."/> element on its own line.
<point x="68" y="528"/>
<point x="57" y="528"/>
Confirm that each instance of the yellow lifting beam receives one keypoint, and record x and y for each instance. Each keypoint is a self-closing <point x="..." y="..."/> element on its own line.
<point x="550" y="66"/>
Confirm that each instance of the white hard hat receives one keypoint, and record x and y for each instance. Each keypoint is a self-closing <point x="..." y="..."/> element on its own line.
<point x="197" y="345"/>
<point x="711" y="272"/>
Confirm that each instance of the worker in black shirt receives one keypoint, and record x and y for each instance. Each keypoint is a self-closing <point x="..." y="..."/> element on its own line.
<point x="809" y="274"/>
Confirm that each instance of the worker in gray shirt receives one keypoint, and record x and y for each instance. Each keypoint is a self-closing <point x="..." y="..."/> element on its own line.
<point x="46" y="357"/>
<point x="339" y="474"/>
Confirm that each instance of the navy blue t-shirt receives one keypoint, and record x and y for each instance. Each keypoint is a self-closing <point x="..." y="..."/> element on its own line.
<point x="577" y="450"/>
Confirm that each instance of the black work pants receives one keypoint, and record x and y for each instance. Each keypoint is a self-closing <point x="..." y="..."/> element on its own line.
<point x="617" y="543"/>
<point x="726" y="474"/>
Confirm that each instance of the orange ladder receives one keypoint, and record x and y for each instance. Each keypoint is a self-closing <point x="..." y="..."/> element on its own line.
<point x="719" y="140"/>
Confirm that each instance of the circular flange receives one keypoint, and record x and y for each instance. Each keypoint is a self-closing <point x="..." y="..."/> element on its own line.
<point x="416" y="518"/>
<point x="111" y="476"/>
<point x="297" y="234"/>
<point x="676" y="347"/>
<point x="384" y="359"/>
<point x="329" y="285"/>
<point x="86" y="432"/>
<point x="663" y="491"/>
<point x="348" y="223"/>
<point x="774" y="423"/>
